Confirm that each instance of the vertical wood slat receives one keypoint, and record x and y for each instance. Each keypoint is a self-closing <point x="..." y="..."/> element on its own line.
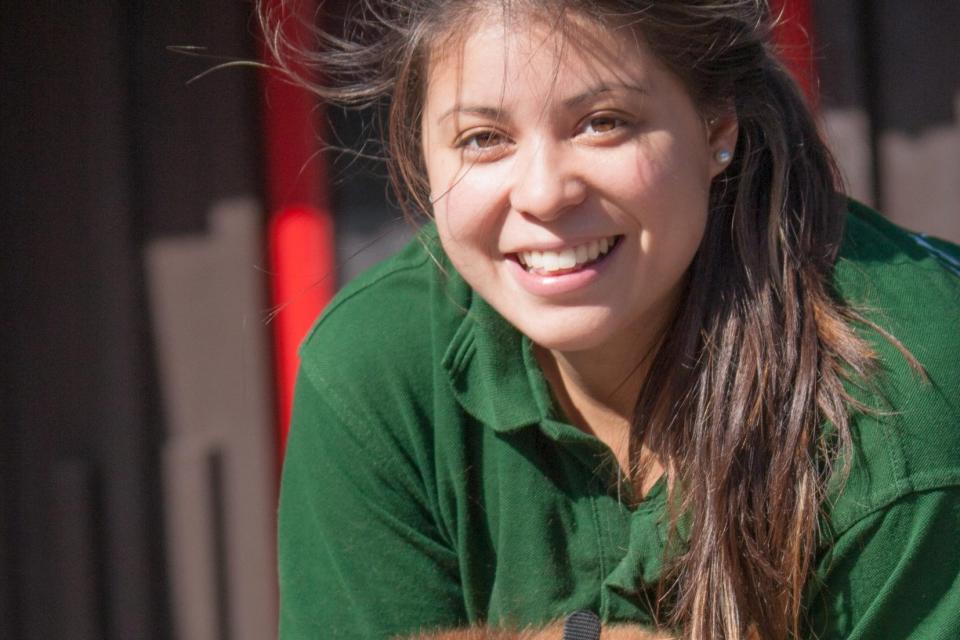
<point x="78" y="593"/>
<point x="219" y="533"/>
<point x="189" y="531"/>
<point x="206" y="298"/>
<point x="841" y="66"/>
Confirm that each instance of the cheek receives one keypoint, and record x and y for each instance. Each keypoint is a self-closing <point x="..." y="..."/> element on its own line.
<point x="667" y="167"/>
<point x="449" y="204"/>
<point x="669" y="191"/>
<point x="466" y="210"/>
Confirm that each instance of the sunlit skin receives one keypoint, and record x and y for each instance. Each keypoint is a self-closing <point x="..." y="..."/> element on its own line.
<point x="533" y="143"/>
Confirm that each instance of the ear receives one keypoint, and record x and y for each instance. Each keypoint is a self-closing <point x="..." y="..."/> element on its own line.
<point x="722" y="133"/>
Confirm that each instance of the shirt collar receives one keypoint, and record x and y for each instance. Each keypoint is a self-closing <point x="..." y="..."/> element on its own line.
<point x="495" y="376"/>
<point x="493" y="370"/>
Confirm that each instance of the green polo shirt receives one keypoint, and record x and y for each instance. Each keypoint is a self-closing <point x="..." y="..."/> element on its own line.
<point x="431" y="481"/>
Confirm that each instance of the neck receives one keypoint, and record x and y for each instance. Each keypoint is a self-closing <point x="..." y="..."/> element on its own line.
<point x="607" y="383"/>
<point x="598" y="390"/>
<point x="608" y="377"/>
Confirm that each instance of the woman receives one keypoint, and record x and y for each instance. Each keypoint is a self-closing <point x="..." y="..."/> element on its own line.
<point x="645" y="361"/>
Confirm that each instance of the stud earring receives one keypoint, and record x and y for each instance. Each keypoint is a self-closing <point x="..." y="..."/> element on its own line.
<point x="723" y="156"/>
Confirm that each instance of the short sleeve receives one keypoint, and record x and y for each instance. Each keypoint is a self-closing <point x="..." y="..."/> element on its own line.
<point x="893" y="574"/>
<point x="360" y="555"/>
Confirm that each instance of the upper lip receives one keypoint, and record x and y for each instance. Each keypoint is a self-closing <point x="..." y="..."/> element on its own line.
<point x="558" y="244"/>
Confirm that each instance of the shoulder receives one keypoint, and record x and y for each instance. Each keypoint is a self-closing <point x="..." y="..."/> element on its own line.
<point x="892" y="574"/>
<point x="386" y="330"/>
<point x="908" y="287"/>
<point x="879" y="258"/>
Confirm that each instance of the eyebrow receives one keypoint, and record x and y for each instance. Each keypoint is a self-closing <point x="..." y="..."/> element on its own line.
<point x="601" y="89"/>
<point x="486" y="112"/>
<point x="589" y="94"/>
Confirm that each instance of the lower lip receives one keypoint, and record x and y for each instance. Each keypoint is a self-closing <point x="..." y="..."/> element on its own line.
<point x="545" y="285"/>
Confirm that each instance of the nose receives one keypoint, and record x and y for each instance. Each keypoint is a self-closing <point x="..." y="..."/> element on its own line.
<point x="546" y="182"/>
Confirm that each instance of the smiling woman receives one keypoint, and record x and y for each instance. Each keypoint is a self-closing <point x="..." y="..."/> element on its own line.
<point x="560" y="150"/>
<point x="644" y="360"/>
<point x="536" y="152"/>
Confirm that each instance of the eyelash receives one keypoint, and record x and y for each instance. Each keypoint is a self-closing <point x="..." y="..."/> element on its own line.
<point x="619" y="122"/>
<point x="467" y="141"/>
<point x="472" y="142"/>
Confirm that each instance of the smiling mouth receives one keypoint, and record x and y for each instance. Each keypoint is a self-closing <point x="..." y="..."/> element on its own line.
<point x="569" y="260"/>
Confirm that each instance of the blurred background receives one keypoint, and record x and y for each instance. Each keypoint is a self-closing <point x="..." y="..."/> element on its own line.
<point x="166" y="243"/>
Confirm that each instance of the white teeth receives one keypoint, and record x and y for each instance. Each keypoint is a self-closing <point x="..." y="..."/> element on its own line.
<point x="550" y="261"/>
<point x="593" y="250"/>
<point x="568" y="258"/>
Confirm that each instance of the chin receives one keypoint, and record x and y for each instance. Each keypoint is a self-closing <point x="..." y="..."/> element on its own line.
<point x="567" y="338"/>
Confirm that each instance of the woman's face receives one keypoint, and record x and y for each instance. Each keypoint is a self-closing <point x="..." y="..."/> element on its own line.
<point x="570" y="179"/>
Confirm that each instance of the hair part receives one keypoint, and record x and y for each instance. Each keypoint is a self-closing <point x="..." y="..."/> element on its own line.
<point x="757" y="354"/>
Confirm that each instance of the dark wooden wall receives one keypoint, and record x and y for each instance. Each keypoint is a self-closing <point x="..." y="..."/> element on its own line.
<point x="105" y="148"/>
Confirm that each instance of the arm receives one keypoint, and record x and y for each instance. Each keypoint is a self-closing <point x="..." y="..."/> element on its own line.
<point x="359" y="552"/>
<point x="893" y="574"/>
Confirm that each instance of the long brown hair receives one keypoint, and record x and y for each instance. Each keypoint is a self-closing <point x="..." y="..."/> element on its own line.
<point x="755" y="359"/>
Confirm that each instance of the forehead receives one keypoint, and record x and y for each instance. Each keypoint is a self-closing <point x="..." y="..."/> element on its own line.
<point x="494" y="55"/>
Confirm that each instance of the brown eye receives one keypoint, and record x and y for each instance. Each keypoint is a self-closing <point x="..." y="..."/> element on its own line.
<point x="603" y="124"/>
<point x="482" y="140"/>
